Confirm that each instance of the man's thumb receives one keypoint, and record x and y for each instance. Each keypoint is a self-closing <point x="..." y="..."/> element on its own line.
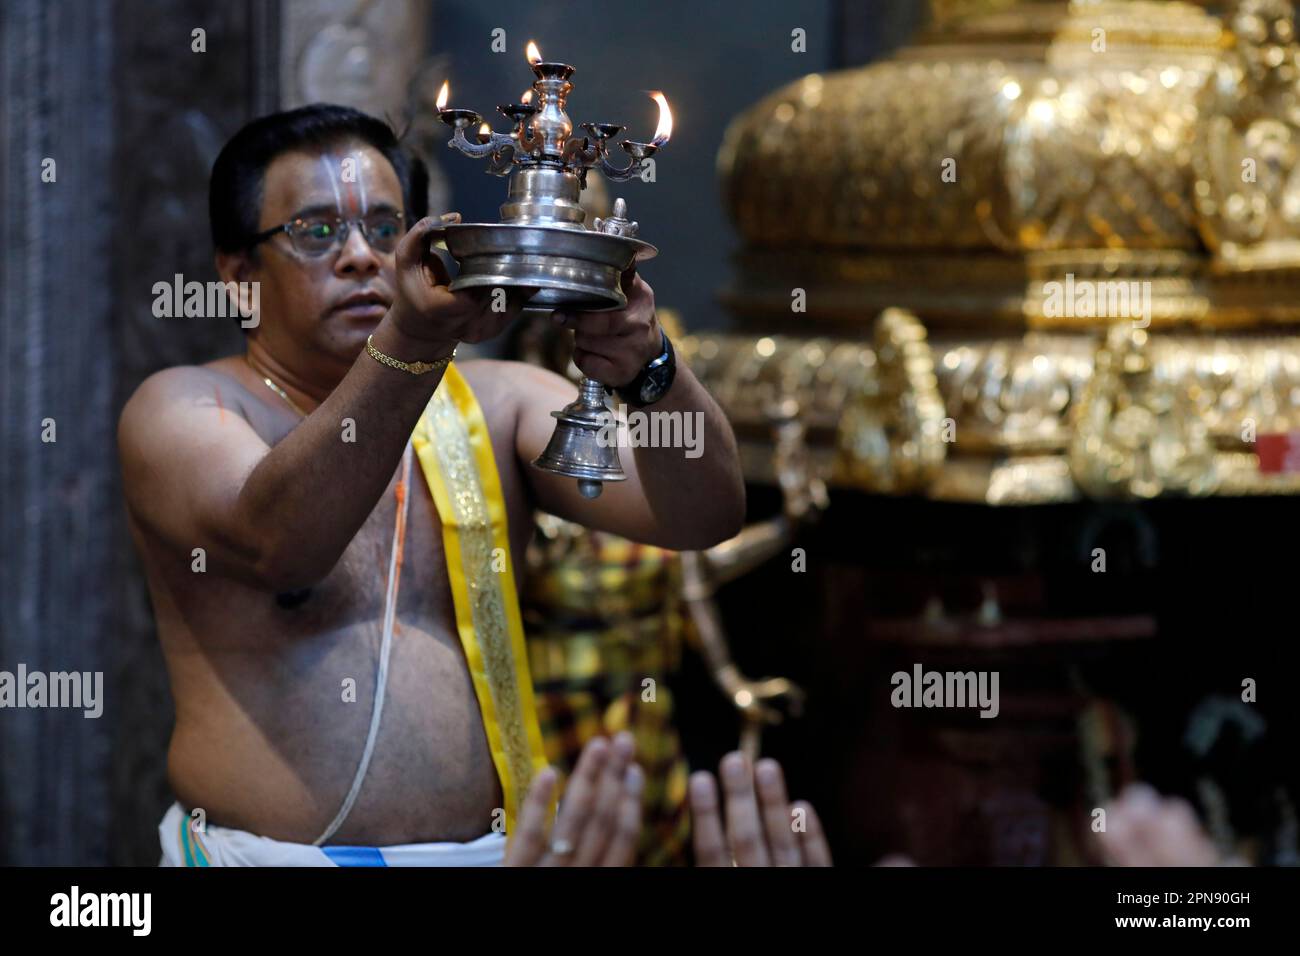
<point x="411" y="250"/>
<point x="628" y="278"/>
<point x="415" y="251"/>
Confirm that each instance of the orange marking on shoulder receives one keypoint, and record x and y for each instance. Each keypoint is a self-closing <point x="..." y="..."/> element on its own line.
<point x="221" y="409"/>
<point x="400" y="494"/>
<point x="399" y="545"/>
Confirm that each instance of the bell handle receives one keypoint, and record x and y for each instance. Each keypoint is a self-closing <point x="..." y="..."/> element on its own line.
<point x="591" y="392"/>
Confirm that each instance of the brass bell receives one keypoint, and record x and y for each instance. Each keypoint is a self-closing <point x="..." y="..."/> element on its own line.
<point x="584" y="444"/>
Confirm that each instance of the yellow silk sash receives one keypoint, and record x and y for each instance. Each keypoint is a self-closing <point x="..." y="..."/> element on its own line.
<point x="455" y="452"/>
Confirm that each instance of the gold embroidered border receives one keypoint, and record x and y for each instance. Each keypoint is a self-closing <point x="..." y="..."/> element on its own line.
<point x="487" y="600"/>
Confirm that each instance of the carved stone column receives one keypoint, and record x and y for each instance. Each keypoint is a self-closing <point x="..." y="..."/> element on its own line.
<point x="56" y="497"/>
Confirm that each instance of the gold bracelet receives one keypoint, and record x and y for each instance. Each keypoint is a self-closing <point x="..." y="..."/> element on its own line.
<point x="415" y="368"/>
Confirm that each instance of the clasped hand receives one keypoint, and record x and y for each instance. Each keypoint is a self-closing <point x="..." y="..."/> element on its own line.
<point x="611" y="347"/>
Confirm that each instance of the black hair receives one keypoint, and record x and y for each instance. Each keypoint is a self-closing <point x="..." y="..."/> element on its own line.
<point x="235" y="187"/>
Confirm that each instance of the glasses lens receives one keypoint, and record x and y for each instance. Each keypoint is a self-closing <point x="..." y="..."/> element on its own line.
<point x="383" y="231"/>
<point x="314" y="237"/>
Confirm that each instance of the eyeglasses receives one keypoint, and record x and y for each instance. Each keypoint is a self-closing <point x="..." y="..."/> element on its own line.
<point x="321" y="235"/>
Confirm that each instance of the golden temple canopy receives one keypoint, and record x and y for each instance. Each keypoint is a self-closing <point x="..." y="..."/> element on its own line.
<point x="1022" y="179"/>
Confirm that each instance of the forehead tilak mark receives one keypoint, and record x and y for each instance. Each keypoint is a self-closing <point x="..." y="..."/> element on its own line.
<point x="334" y="183"/>
<point x="361" y="184"/>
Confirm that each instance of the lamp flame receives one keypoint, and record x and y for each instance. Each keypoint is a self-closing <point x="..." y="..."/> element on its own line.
<point x="527" y="97"/>
<point x="533" y="54"/>
<point x="484" y="133"/>
<point x="444" y="94"/>
<point x="664" y="130"/>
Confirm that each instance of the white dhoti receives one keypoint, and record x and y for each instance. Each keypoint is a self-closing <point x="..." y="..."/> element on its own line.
<point x="182" y="845"/>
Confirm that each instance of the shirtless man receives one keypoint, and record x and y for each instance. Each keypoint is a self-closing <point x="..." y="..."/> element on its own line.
<point x="246" y="458"/>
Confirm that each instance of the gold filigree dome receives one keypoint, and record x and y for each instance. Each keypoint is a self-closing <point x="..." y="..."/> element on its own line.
<point x="963" y="143"/>
<point x="1150" y="150"/>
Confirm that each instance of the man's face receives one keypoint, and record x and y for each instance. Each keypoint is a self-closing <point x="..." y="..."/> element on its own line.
<point x="319" y="309"/>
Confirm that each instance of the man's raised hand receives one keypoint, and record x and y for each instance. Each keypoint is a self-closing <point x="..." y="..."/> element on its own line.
<point x="612" y="347"/>
<point x="599" y="818"/>
<point x="762" y="827"/>
<point x="425" y="309"/>
<point x="1145" y="829"/>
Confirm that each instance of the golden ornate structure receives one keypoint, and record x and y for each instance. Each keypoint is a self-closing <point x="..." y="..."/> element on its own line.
<point x="1079" y="227"/>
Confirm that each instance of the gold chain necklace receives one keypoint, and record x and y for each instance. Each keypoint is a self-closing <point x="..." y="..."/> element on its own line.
<point x="270" y="383"/>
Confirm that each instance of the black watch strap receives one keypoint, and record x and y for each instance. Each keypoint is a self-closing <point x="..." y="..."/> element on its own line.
<point x="657" y="377"/>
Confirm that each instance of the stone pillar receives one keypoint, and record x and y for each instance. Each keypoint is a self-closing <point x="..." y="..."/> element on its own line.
<point x="57" y="498"/>
<point x="132" y="117"/>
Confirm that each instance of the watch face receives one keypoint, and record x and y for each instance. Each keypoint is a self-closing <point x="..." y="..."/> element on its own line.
<point x="655" y="380"/>
<point x="652" y="389"/>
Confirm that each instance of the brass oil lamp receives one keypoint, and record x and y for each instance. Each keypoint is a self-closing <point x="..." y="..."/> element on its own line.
<point x="542" y="241"/>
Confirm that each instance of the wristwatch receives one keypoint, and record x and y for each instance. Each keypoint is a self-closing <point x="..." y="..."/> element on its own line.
<point x="655" y="379"/>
